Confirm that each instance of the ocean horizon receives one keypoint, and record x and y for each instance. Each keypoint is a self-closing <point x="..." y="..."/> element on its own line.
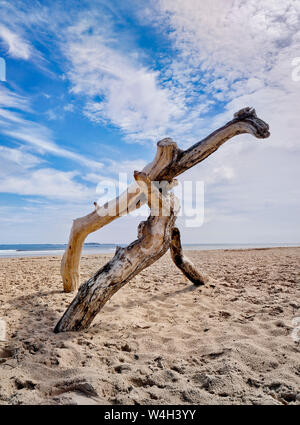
<point x="38" y="250"/>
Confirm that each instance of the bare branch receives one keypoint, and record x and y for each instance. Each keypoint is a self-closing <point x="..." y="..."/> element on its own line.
<point x="183" y="263"/>
<point x="154" y="236"/>
<point x="168" y="163"/>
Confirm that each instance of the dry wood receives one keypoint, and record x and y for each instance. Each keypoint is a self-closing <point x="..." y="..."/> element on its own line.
<point x="168" y="163"/>
<point x="154" y="237"/>
<point x="183" y="263"/>
<point x="128" y="201"/>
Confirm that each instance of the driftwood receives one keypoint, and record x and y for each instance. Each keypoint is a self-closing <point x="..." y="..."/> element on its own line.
<point x="168" y="163"/>
<point x="155" y="235"/>
<point x="183" y="263"/>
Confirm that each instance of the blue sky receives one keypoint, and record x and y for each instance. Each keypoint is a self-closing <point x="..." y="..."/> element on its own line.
<point x="91" y="86"/>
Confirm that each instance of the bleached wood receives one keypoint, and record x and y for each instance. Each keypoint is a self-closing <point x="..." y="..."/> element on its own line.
<point x="169" y="162"/>
<point x="183" y="263"/>
<point x="154" y="236"/>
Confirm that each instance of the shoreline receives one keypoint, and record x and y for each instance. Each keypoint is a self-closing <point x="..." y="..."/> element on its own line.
<point x="186" y="248"/>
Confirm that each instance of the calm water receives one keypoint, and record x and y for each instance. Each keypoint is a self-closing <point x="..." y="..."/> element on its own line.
<point x="37" y="250"/>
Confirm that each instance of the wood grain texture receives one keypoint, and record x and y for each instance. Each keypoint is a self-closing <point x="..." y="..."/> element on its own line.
<point x="183" y="263"/>
<point x="154" y="237"/>
<point x="168" y="163"/>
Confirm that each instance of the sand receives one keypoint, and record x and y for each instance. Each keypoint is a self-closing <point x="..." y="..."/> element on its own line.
<point x="159" y="340"/>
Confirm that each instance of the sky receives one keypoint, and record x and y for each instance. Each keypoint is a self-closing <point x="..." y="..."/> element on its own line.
<point x="91" y="86"/>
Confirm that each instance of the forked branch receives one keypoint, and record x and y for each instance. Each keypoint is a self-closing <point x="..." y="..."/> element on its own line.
<point x="169" y="162"/>
<point x="154" y="237"/>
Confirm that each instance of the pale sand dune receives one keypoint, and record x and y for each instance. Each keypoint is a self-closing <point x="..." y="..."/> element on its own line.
<point x="159" y="340"/>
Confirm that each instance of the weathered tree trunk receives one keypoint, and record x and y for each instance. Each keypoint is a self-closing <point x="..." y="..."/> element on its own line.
<point x="183" y="263"/>
<point x="154" y="237"/>
<point x="127" y="202"/>
<point x="168" y="163"/>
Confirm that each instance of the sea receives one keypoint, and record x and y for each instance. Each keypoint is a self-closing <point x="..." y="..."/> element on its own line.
<point x="38" y="250"/>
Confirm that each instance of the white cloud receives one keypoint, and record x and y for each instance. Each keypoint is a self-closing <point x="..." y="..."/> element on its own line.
<point x="46" y="182"/>
<point x="118" y="89"/>
<point x="227" y="55"/>
<point x="232" y="39"/>
<point x="9" y="99"/>
<point x="225" y="51"/>
<point x="52" y="115"/>
<point x="18" y="175"/>
<point x="19" y="157"/>
<point x="127" y="166"/>
<point x="17" y="46"/>
<point x="69" y="107"/>
<point x="37" y="136"/>
<point x="239" y="53"/>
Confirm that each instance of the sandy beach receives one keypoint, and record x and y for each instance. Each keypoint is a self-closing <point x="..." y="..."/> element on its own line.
<point x="159" y="340"/>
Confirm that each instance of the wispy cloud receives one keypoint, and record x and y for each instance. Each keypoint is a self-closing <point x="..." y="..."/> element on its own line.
<point x="37" y="136"/>
<point x="220" y="56"/>
<point x="117" y="88"/>
<point x="17" y="157"/>
<point x="9" y="99"/>
<point x="19" y="175"/>
<point x="46" y="182"/>
<point x="17" y="46"/>
<point x="237" y="53"/>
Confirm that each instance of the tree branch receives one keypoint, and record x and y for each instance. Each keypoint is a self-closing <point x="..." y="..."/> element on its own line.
<point x="183" y="263"/>
<point x="169" y="162"/>
<point x="154" y="236"/>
